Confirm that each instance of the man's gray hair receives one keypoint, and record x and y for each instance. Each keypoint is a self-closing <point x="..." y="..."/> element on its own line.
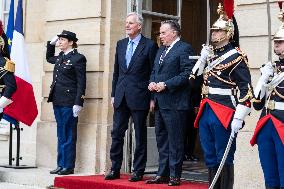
<point x="138" y="16"/>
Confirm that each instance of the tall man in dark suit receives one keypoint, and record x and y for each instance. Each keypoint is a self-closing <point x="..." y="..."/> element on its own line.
<point x="169" y="83"/>
<point x="130" y="97"/>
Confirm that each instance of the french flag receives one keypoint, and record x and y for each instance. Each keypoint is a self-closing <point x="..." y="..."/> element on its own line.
<point x="23" y="108"/>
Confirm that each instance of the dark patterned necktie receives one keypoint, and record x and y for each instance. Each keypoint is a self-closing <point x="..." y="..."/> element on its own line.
<point x="163" y="55"/>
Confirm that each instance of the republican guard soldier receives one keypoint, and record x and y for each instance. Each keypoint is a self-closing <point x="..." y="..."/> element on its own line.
<point x="222" y="112"/>
<point x="269" y="132"/>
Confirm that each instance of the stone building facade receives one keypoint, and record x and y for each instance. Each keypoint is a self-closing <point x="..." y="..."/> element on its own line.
<point x="99" y="24"/>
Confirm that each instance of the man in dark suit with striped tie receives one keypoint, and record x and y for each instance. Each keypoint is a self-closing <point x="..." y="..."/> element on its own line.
<point x="169" y="84"/>
<point x="134" y="60"/>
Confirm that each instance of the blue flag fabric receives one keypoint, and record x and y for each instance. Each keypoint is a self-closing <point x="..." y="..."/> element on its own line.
<point x="10" y="26"/>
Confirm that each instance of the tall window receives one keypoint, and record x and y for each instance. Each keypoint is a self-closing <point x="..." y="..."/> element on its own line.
<point x="4" y="9"/>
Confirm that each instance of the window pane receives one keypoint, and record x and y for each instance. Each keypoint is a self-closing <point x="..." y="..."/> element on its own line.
<point x="7" y="5"/>
<point x="6" y="16"/>
<point x="164" y="6"/>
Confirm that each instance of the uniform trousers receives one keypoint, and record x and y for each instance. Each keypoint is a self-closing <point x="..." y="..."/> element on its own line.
<point x="214" y="138"/>
<point x="271" y="155"/>
<point x="66" y="136"/>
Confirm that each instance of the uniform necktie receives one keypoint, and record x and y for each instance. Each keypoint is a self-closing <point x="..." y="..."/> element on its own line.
<point x="129" y="53"/>
<point x="163" y="55"/>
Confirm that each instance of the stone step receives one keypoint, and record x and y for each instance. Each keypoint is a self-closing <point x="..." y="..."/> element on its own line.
<point x="39" y="177"/>
<point x="5" y="185"/>
<point x="35" y="177"/>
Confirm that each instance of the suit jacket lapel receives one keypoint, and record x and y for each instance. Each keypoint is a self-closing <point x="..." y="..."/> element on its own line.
<point x="139" y="48"/>
<point x="172" y="50"/>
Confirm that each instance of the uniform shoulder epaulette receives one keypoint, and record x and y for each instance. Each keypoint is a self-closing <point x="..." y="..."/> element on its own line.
<point x="9" y="65"/>
<point x="242" y="54"/>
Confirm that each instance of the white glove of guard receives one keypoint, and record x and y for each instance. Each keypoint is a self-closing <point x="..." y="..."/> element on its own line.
<point x="266" y="72"/>
<point x="236" y="125"/>
<point x="54" y="40"/>
<point x="200" y="64"/>
<point x="76" y="110"/>
<point x="1" y="110"/>
<point x="206" y="51"/>
<point x="241" y="112"/>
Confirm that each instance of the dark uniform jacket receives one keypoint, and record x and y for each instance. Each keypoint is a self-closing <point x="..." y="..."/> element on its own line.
<point x="232" y="73"/>
<point x="268" y="111"/>
<point x="69" y="77"/>
<point x="174" y="71"/>
<point x="7" y="80"/>
<point x="132" y="82"/>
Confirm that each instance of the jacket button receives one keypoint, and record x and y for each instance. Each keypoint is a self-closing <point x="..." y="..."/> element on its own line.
<point x="68" y="90"/>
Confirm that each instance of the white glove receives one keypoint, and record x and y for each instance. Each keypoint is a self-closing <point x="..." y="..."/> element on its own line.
<point x="4" y="102"/>
<point x="54" y="40"/>
<point x="260" y="88"/>
<point x="206" y="52"/>
<point x="266" y="72"/>
<point x="198" y="68"/>
<point x="76" y="110"/>
<point x="1" y="110"/>
<point x="236" y="125"/>
<point x="241" y="112"/>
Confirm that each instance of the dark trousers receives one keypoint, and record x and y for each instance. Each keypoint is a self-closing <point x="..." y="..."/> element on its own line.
<point x="214" y="138"/>
<point x="120" y="125"/>
<point x="190" y="133"/>
<point x="66" y="136"/>
<point x="169" y="127"/>
<point x="271" y="155"/>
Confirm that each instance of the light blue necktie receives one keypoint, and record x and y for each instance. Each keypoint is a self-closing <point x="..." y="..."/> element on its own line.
<point x="129" y="53"/>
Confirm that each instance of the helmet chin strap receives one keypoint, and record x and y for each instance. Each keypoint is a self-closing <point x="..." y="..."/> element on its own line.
<point x="216" y="41"/>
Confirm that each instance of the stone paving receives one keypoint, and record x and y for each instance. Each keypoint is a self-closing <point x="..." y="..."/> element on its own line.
<point x="6" y="185"/>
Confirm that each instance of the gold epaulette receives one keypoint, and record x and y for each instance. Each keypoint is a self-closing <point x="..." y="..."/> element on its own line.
<point x="242" y="54"/>
<point x="9" y="65"/>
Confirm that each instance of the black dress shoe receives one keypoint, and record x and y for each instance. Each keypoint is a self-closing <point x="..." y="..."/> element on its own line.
<point x="112" y="175"/>
<point x="158" y="180"/>
<point x="174" y="182"/>
<point x="136" y="177"/>
<point x="66" y="171"/>
<point x="55" y="171"/>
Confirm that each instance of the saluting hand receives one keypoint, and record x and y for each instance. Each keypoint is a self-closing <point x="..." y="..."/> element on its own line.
<point x="54" y="40"/>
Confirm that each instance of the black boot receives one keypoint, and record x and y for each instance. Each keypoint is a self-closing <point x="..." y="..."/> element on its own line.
<point x="267" y="187"/>
<point x="227" y="177"/>
<point x="211" y="173"/>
